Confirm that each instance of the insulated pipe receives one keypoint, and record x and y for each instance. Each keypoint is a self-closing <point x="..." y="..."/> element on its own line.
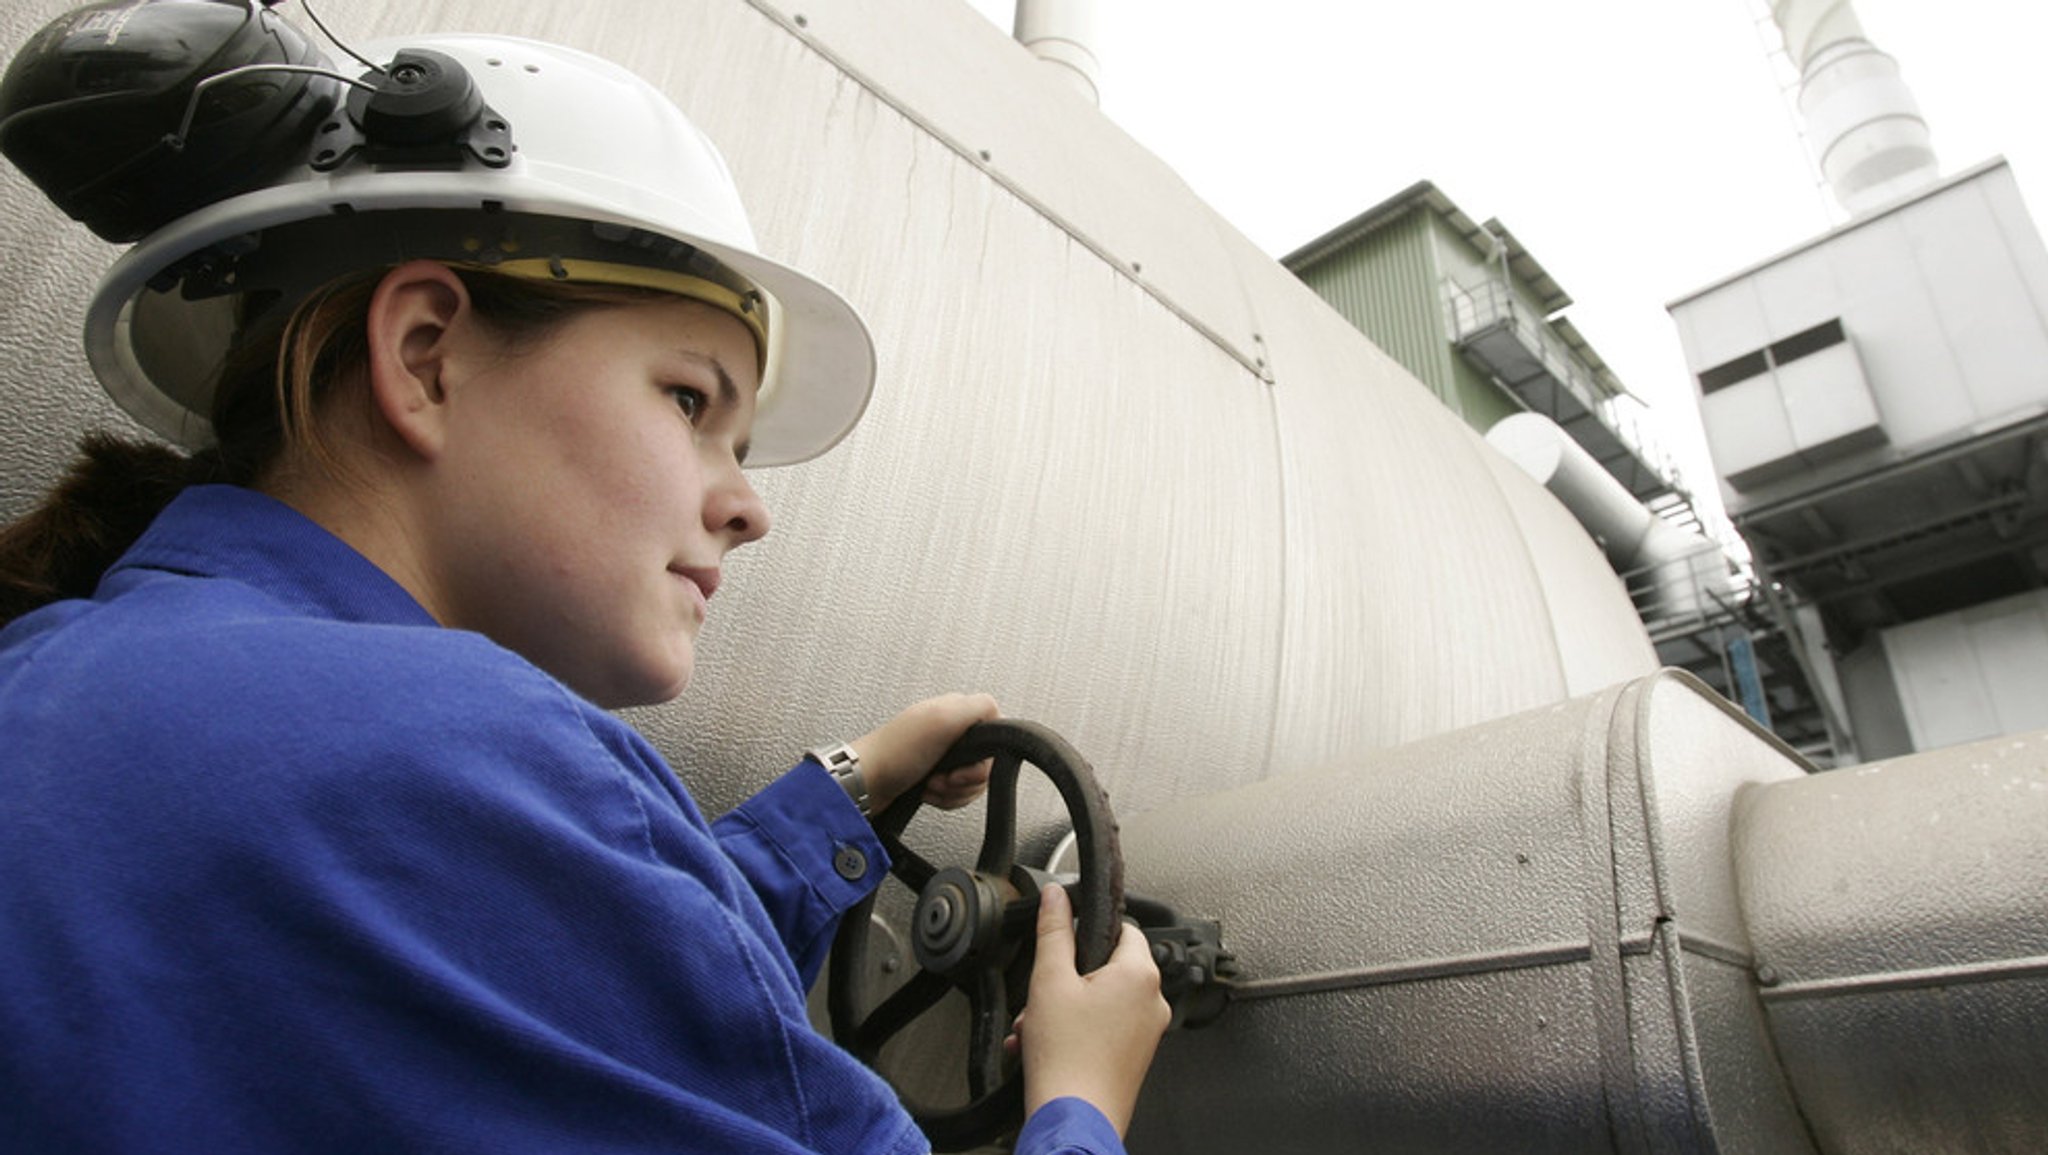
<point x="1862" y="123"/>
<point x="1632" y="537"/>
<point x="1519" y="938"/>
<point x="1617" y="521"/>
<point x="1062" y="33"/>
<point x="1896" y="911"/>
<point x="1629" y="922"/>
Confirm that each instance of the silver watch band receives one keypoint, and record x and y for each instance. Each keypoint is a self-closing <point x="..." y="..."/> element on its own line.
<point x="843" y="765"/>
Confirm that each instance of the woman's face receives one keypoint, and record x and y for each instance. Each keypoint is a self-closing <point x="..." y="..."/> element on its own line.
<point x="593" y="487"/>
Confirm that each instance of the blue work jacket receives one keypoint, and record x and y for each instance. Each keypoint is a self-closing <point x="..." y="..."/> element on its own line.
<point x="286" y="866"/>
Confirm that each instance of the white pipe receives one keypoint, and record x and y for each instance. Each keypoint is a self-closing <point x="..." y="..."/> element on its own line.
<point x="1618" y="522"/>
<point x="1685" y="564"/>
<point x="1062" y="33"/>
<point x="1862" y="123"/>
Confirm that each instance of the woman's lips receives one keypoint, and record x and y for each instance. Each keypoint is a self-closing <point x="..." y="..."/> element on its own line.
<point x="702" y="579"/>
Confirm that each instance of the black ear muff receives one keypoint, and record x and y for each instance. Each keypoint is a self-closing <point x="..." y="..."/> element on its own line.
<point x="91" y="109"/>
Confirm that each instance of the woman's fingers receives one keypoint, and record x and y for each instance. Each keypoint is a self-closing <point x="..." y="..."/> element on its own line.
<point x="956" y="788"/>
<point x="898" y="754"/>
<point x="1091" y="1036"/>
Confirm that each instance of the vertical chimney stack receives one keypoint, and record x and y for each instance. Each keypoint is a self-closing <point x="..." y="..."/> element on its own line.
<point x="1062" y="33"/>
<point x="1862" y="123"/>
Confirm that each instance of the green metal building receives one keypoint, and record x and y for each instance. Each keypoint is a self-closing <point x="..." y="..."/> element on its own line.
<point x="1466" y="309"/>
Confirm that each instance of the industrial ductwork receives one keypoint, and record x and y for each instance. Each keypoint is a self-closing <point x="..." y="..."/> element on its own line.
<point x="1862" y="123"/>
<point x="1675" y="571"/>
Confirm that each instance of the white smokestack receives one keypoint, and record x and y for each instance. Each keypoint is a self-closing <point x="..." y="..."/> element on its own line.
<point x="1062" y="33"/>
<point x="1862" y="123"/>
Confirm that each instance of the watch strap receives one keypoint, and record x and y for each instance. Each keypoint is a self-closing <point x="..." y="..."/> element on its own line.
<point x="843" y="764"/>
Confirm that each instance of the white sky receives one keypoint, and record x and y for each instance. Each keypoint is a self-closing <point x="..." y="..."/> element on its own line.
<point x="1639" y="148"/>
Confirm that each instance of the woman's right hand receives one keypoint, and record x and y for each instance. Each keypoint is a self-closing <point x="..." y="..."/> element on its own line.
<point x="1090" y="1036"/>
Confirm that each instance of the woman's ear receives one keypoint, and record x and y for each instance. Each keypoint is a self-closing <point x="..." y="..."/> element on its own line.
<point x="415" y="317"/>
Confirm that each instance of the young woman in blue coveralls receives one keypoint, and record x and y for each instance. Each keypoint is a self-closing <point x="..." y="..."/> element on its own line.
<point x="315" y="832"/>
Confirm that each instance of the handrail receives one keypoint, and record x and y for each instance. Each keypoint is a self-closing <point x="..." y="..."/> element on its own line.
<point x="1688" y="590"/>
<point x="1469" y="311"/>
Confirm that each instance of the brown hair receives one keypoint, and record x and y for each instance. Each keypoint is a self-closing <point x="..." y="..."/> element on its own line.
<point x="272" y="385"/>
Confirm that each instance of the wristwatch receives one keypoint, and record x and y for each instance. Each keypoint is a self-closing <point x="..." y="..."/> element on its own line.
<point x="843" y="765"/>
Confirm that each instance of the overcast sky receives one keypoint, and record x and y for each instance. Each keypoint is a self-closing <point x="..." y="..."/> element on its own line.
<point x="1639" y="148"/>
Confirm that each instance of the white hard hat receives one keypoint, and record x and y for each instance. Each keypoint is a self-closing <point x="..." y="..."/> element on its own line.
<point x="585" y="172"/>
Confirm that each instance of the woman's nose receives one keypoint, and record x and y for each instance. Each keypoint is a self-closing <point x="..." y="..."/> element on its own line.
<point x="732" y="507"/>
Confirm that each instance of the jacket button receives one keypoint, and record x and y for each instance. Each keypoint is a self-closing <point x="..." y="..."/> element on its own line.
<point x="851" y="864"/>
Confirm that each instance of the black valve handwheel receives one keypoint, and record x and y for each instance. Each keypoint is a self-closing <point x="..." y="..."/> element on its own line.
<point x="975" y="931"/>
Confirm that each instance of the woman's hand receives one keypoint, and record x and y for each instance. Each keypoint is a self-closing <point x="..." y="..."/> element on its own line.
<point x="1091" y="1036"/>
<point x="900" y="753"/>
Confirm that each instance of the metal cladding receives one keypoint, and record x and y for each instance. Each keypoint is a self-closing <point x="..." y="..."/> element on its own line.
<point x="1626" y="923"/>
<point x="1897" y="912"/>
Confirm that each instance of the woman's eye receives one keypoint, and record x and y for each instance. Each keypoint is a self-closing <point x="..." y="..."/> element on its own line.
<point x="690" y="401"/>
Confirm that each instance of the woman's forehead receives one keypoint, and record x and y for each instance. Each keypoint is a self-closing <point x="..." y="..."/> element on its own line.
<point x="693" y="329"/>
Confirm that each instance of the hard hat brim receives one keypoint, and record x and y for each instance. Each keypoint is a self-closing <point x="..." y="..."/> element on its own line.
<point x="155" y="352"/>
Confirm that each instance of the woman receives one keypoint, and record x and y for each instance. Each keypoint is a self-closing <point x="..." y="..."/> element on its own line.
<point x="316" y="831"/>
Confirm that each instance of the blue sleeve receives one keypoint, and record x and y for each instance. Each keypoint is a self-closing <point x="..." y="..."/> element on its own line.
<point x="466" y="928"/>
<point x="808" y="854"/>
<point x="1068" y="1127"/>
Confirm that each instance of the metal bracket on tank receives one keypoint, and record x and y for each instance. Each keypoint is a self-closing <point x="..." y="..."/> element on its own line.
<point x="1196" y="971"/>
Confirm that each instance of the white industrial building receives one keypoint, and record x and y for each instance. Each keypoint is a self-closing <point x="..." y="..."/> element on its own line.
<point x="1875" y="401"/>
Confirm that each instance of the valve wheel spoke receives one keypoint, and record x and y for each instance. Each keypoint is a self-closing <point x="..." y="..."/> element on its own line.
<point x="991" y="1023"/>
<point x="908" y="865"/>
<point x="898" y="1011"/>
<point x="999" y="840"/>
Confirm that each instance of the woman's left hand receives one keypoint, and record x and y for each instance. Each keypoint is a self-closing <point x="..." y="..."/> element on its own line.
<point x="901" y="752"/>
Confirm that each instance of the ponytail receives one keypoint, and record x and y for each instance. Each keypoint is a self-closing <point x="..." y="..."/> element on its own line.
<point x="106" y="499"/>
<point x="269" y="384"/>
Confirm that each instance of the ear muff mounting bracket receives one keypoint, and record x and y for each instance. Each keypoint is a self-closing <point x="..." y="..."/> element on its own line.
<point x="425" y="112"/>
